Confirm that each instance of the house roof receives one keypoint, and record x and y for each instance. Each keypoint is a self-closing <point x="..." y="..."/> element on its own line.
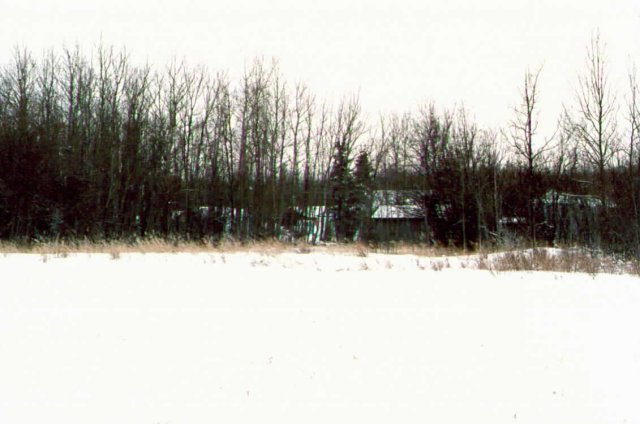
<point x="396" y="204"/>
<point x="397" y="212"/>
<point x="574" y="199"/>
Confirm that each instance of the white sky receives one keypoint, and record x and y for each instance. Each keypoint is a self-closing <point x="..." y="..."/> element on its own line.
<point x="397" y="54"/>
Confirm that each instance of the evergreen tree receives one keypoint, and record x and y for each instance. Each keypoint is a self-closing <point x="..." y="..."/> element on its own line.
<point x="342" y="193"/>
<point x="363" y="192"/>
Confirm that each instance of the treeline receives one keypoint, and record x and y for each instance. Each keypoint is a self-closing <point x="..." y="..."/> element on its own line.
<point x="97" y="147"/>
<point x="102" y="148"/>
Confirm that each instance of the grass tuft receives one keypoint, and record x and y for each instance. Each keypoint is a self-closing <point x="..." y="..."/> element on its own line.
<point x="557" y="260"/>
<point x="567" y="260"/>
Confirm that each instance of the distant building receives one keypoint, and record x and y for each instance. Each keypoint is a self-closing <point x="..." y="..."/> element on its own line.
<point x="313" y="223"/>
<point x="398" y="215"/>
<point x="572" y="217"/>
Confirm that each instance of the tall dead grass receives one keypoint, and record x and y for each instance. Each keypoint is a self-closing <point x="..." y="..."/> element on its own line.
<point x="164" y="245"/>
<point x="64" y="247"/>
<point x="557" y="260"/>
<point x="169" y="245"/>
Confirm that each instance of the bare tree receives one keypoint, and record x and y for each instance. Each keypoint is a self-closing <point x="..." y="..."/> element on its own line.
<point x="595" y="123"/>
<point x="19" y="163"/>
<point x="633" y="116"/>
<point x="465" y="134"/>
<point x="522" y="130"/>
<point x="431" y="146"/>
<point x="399" y="142"/>
<point x="487" y="157"/>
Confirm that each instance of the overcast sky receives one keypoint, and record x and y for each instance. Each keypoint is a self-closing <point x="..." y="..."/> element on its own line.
<point x="397" y="54"/>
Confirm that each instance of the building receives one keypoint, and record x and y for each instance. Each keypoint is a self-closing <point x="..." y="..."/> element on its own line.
<point x="398" y="215"/>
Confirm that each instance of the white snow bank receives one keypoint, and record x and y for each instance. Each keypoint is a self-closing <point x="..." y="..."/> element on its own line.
<point x="313" y="338"/>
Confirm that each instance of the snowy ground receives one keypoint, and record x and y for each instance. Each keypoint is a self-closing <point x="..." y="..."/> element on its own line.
<point x="311" y="338"/>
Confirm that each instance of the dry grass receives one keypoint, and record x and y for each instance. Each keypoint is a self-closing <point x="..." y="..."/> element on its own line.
<point x="147" y="245"/>
<point x="268" y="247"/>
<point x="418" y="249"/>
<point x="558" y="260"/>
<point x="566" y="260"/>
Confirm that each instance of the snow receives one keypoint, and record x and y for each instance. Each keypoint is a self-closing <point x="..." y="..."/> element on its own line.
<point x="313" y="338"/>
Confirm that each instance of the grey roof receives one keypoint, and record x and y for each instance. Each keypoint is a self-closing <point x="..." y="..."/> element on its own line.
<point x="396" y="204"/>
<point x="574" y="199"/>
<point x="397" y="212"/>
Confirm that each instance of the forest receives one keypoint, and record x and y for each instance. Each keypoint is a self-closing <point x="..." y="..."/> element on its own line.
<point x="95" y="147"/>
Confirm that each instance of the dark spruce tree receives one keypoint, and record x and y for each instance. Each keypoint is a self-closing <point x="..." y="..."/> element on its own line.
<point x="363" y="194"/>
<point x="343" y="194"/>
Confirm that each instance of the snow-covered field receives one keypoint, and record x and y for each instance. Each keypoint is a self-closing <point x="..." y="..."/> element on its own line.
<point x="311" y="338"/>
